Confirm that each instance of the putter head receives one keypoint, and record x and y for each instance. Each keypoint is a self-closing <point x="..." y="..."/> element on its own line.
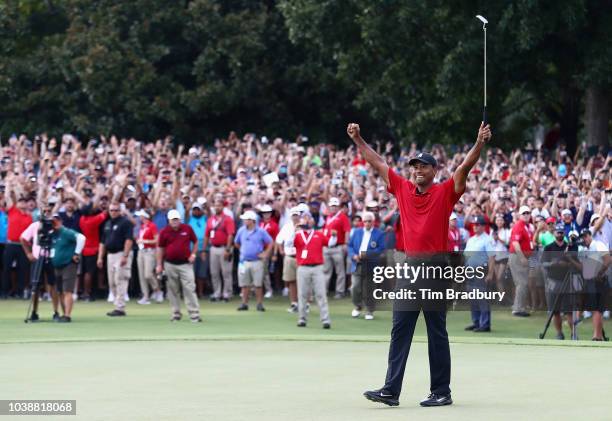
<point x="482" y="19"/>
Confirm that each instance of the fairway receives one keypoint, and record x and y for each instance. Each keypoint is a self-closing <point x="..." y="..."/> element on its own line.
<point x="253" y="365"/>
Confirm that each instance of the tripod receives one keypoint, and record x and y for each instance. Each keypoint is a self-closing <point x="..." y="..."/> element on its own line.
<point x="566" y="287"/>
<point x="43" y="258"/>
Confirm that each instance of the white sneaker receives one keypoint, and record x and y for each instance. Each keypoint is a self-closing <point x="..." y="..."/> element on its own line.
<point x="285" y="292"/>
<point x="159" y="297"/>
<point x="268" y="294"/>
<point x="586" y="314"/>
<point x="369" y="316"/>
<point x="606" y="314"/>
<point x="144" y="301"/>
<point x="355" y="313"/>
<point x="111" y="297"/>
<point x="75" y="296"/>
<point x="126" y="297"/>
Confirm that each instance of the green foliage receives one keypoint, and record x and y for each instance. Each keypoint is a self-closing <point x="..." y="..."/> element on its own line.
<point x="199" y="68"/>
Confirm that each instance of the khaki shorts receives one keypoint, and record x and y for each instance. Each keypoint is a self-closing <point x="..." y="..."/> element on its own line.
<point x="250" y="274"/>
<point x="65" y="278"/>
<point x="289" y="269"/>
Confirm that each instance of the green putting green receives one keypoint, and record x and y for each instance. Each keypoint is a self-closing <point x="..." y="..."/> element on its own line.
<point x="251" y="365"/>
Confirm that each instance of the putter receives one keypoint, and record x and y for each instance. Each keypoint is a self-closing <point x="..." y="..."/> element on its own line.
<point x="484" y="30"/>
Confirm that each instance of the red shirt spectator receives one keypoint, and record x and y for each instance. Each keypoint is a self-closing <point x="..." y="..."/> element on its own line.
<point x="424" y="216"/>
<point x="521" y="233"/>
<point x="219" y="228"/>
<point x="339" y="222"/>
<point x="147" y="231"/>
<point x="454" y="239"/>
<point x="271" y="228"/>
<point x="90" y="228"/>
<point x="18" y="221"/>
<point x="309" y="247"/>
<point x="177" y="243"/>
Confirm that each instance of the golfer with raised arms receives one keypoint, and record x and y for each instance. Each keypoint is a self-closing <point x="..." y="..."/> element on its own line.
<point x="425" y="208"/>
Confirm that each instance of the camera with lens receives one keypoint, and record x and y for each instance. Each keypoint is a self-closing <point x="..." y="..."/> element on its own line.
<point x="44" y="233"/>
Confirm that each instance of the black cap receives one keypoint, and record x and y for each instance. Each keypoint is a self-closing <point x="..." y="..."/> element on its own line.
<point x="585" y="231"/>
<point x="479" y="219"/>
<point x="425" y="158"/>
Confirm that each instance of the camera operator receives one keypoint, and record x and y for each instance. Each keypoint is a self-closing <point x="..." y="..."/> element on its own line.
<point x="33" y="239"/>
<point x="559" y="258"/>
<point x="67" y="246"/>
<point x="595" y="263"/>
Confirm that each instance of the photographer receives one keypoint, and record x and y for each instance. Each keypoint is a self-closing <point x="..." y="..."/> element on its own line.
<point x="558" y="261"/>
<point x="595" y="263"/>
<point x="33" y="239"/>
<point x="67" y="246"/>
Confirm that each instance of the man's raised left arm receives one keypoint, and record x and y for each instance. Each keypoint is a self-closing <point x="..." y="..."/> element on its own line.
<point x="461" y="173"/>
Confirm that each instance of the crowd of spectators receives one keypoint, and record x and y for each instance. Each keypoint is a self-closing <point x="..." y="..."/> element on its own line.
<point x="212" y="186"/>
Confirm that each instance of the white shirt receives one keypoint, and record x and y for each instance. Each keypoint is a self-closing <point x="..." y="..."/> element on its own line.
<point x="365" y="240"/>
<point x="285" y="238"/>
<point x="592" y="259"/>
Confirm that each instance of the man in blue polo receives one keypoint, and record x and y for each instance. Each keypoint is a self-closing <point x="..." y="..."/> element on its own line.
<point x="255" y="246"/>
<point x="479" y="253"/>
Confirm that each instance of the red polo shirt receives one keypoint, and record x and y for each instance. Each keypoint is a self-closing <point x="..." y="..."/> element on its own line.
<point x="521" y="233"/>
<point x="424" y="217"/>
<point x="90" y="227"/>
<point x="339" y="222"/>
<point x="219" y="228"/>
<point x="312" y="244"/>
<point x="18" y="221"/>
<point x="271" y="228"/>
<point x="177" y="243"/>
<point x="147" y="231"/>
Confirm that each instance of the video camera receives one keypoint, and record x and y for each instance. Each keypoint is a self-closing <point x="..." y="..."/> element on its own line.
<point x="44" y="232"/>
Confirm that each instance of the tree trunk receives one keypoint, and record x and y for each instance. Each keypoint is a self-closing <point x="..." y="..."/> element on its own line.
<point x="570" y="119"/>
<point x="596" y="116"/>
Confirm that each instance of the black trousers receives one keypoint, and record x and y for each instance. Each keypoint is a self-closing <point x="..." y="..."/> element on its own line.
<point x="402" y="332"/>
<point x="14" y="253"/>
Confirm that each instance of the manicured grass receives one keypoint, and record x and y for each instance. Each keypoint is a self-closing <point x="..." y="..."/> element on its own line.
<point x="237" y="366"/>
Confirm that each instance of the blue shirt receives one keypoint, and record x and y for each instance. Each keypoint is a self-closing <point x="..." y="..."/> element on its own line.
<point x="160" y="220"/>
<point x="199" y="227"/>
<point x="252" y="242"/>
<point x="3" y="226"/>
<point x="478" y="249"/>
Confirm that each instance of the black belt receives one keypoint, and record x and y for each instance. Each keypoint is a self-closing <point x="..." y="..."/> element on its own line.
<point x="314" y="264"/>
<point x="178" y="262"/>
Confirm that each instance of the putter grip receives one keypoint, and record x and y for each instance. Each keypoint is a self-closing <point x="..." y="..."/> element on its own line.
<point x="484" y="115"/>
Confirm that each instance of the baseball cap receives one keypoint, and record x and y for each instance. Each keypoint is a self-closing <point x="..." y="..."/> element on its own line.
<point x="560" y="227"/>
<point x="196" y="205"/>
<point x="479" y="219"/>
<point x="425" y="158"/>
<point x="294" y="211"/>
<point x="566" y="212"/>
<point x="372" y="204"/>
<point x="585" y="231"/>
<point x="174" y="214"/>
<point x="56" y="215"/>
<point x="334" y="201"/>
<point x="303" y="207"/>
<point x="265" y="208"/>
<point x="551" y="220"/>
<point x="573" y="233"/>
<point x="142" y="213"/>
<point x="524" y="209"/>
<point x="249" y="215"/>
<point x="452" y="216"/>
<point x="593" y="218"/>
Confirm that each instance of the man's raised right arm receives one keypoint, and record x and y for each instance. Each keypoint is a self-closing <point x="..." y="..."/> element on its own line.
<point x="369" y="154"/>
